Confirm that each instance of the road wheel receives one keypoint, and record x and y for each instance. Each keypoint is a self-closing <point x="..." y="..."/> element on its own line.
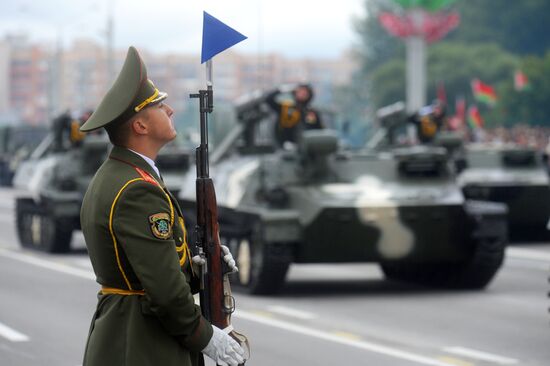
<point x="475" y="273"/>
<point x="26" y="211"/>
<point x="37" y="230"/>
<point x="261" y="270"/>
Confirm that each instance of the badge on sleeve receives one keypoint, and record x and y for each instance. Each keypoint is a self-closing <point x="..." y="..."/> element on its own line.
<point x="160" y="225"/>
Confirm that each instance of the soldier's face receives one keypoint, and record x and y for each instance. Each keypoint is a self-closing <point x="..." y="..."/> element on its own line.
<point x="160" y="121"/>
<point x="301" y="94"/>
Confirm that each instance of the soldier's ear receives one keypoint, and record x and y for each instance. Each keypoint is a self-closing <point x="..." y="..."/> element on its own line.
<point x="139" y="125"/>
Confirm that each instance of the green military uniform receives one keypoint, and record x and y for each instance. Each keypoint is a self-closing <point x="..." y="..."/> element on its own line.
<point x="137" y="242"/>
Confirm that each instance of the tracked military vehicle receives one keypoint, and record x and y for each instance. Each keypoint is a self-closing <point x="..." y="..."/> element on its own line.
<point x="315" y="203"/>
<point x="513" y="175"/>
<point x="50" y="188"/>
<point x="52" y="183"/>
<point x="16" y="144"/>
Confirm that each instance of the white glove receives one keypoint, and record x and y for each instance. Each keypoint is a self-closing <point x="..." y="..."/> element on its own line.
<point x="227" y="257"/>
<point x="223" y="349"/>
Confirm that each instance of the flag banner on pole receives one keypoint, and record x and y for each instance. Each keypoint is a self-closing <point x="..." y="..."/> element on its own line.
<point x="457" y="121"/>
<point x="474" y="118"/>
<point x="521" y="82"/>
<point x="483" y="92"/>
<point x="217" y="37"/>
<point x="441" y="93"/>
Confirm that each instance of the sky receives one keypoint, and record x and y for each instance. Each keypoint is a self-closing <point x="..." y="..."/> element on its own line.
<point x="294" y="28"/>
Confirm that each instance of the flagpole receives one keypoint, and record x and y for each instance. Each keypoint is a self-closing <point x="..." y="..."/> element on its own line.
<point x="209" y="86"/>
<point x="209" y="73"/>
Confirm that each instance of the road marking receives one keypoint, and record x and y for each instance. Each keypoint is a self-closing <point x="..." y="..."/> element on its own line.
<point x="84" y="263"/>
<point x="368" y="346"/>
<point x="266" y="319"/>
<point x="26" y="258"/>
<point x="11" y="334"/>
<point x="480" y="355"/>
<point x="455" y="361"/>
<point x="294" y="313"/>
<point x="531" y="254"/>
<point x="347" y="335"/>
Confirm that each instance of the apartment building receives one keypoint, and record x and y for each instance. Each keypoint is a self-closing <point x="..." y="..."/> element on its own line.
<point x="39" y="81"/>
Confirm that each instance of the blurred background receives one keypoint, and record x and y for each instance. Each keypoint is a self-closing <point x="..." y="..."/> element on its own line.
<point x="414" y="224"/>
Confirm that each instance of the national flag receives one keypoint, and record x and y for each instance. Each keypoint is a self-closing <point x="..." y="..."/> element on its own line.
<point x="521" y="82"/>
<point x="457" y="121"/>
<point x="460" y="108"/>
<point x="441" y="93"/>
<point x="474" y="118"/>
<point x="217" y="37"/>
<point x="483" y="92"/>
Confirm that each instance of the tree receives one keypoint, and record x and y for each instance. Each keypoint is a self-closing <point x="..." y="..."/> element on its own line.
<point x="529" y="106"/>
<point x="520" y="27"/>
<point x="454" y="64"/>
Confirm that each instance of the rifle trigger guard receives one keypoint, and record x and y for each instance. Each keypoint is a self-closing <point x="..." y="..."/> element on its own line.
<point x="229" y="304"/>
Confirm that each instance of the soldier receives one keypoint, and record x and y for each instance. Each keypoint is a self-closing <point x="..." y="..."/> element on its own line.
<point x="294" y="116"/>
<point x="137" y="241"/>
<point x="429" y="121"/>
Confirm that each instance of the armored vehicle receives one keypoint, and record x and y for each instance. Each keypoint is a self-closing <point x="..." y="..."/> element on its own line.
<point x="513" y="175"/>
<point x="52" y="183"/>
<point x="16" y="144"/>
<point x="316" y="203"/>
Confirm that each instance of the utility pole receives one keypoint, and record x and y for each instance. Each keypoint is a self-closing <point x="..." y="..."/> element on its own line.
<point x="416" y="65"/>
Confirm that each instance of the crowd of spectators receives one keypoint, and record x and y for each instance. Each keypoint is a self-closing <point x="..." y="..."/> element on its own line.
<point x="524" y="135"/>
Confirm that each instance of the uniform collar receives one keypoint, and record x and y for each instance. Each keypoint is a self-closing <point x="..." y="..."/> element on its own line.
<point x="133" y="158"/>
<point x="150" y="161"/>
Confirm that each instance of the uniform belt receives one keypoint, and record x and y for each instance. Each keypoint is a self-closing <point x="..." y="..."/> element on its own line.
<point x="118" y="291"/>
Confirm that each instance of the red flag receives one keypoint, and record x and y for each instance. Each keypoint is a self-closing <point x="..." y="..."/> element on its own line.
<point x="520" y="81"/>
<point x="483" y="92"/>
<point x="441" y="93"/>
<point x="456" y="122"/>
<point x="474" y="118"/>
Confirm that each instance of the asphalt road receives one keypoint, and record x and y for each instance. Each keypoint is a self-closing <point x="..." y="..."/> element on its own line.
<point x="326" y="315"/>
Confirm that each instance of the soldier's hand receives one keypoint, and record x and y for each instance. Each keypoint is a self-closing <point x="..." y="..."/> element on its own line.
<point x="223" y="349"/>
<point x="198" y="260"/>
<point x="229" y="260"/>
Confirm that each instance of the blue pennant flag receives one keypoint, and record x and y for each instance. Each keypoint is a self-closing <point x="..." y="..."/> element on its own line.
<point x="217" y="37"/>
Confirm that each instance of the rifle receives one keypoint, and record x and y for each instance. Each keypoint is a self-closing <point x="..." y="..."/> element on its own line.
<point x="217" y="302"/>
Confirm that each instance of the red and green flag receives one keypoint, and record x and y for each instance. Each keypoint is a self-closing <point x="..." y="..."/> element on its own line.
<point x="483" y="92"/>
<point x="474" y="118"/>
<point x="521" y="82"/>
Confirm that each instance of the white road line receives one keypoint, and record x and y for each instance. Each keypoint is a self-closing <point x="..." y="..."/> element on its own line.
<point x="11" y="334"/>
<point x="368" y="346"/>
<point x="294" y="313"/>
<point x="531" y="254"/>
<point x="47" y="264"/>
<point x="480" y="355"/>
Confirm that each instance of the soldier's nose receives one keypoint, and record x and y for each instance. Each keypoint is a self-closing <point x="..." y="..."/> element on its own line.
<point x="169" y="110"/>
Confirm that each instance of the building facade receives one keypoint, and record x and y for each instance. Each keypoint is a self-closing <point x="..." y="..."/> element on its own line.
<point x="37" y="82"/>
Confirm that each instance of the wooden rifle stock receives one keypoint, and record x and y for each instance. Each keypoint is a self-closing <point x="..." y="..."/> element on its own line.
<point x="216" y="307"/>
